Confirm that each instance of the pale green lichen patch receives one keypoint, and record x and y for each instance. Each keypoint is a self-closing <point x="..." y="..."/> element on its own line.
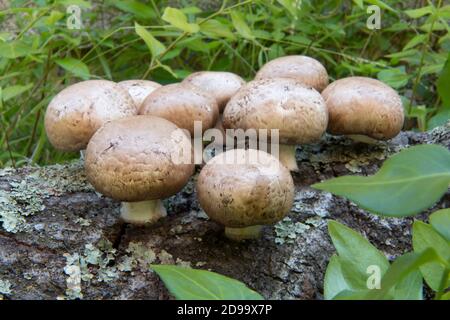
<point x="83" y="222"/>
<point x="5" y="288"/>
<point x="25" y="196"/>
<point x="93" y="264"/>
<point x="287" y="231"/>
<point x="101" y="263"/>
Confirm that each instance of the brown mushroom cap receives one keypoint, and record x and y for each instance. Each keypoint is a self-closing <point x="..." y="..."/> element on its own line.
<point x="305" y="69"/>
<point x="139" y="89"/>
<point x="299" y="112"/>
<point x="76" y="113"/>
<point x="365" y="106"/>
<point x="245" y="193"/>
<point x="131" y="159"/>
<point x="221" y="85"/>
<point x="182" y="104"/>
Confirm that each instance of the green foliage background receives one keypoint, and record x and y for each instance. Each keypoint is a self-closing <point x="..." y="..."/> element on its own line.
<point x="40" y="55"/>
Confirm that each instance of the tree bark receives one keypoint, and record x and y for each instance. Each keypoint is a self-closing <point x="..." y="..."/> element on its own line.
<point x="59" y="239"/>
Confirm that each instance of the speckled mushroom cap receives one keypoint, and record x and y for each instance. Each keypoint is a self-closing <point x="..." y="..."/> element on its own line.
<point x="131" y="159"/>
<point x="75" y="114"/>
<point x="139" y="89"/>
<point x="182" y="104"/>
<point x="359" y="105"/>
<point x="305" y="69"/>
<point x="254" y="189"/>
<point x="299" y="112"/>
<point x="221" y="85"/>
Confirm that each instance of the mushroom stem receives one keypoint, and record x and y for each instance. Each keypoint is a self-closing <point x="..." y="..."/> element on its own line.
<point x="239" y="234"/>
<point x="142" y="212"/>
<point x="287" y="157"/>
<point x="83" y="154"/>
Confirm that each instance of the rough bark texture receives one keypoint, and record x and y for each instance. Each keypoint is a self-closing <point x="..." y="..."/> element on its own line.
<point x="59" y="239"/>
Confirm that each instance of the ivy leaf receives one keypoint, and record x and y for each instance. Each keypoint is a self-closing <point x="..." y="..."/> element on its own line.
<point x="401" y="268"/>
<point x="397" y="189"/>
<point x="410" y="287"/>
<point x="334" y="282"/>
<point x="356" y="255"/>
<point x="74" y="66"/>
<point x="155" y="47"/>
<point x="193" y="284"/>
<point x="440" y="220"/>
<point x="241" y="26"/>
<point x="424" y="237"/>
<point x="179" y="20"/>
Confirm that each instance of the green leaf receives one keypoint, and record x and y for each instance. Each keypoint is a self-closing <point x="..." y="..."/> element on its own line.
<point x="440" y="220"/>
<point x="291" y="6"/>
<point x="445" y="296"/>
<point x="191" y="284"/>
<point x="75" y="66"/>
<point x="356" y="255"/>
<point x="137" y="8"/>
<point x="179" y="20"/>
<point x="359" y="3"/>
<point x="410" y="287"/>
<point x="155" y="47"/>
<point x="215" y="29"/>
<point x="54" y="17"/>
<point x="425" y="237"/>
<point x="13" y="91"/>
<point x="418" y="39"/>
<point x="443" y="84"/>
<point x="80" y="3"/>
<point x="382" y="5"/>
<point x="334" y="282"/>
<point x="417" y="13"/>
<point x="397" y="189"/>
<point x="395" y="77"/>
<point x="241" y="26"/>
<point x="439" y="119"/>
<point x="15" y="49"/>
<point x="402" y="267"/>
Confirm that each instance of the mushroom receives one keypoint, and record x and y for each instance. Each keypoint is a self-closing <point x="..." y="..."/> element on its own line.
<point x="78" y="111"/>
<point x="305" y="69"/>
<point x="139" y="89"/>
<point x="221" y="85"/>
<point x="297" y="111"/>
<point x="363" y="106"/>
<point x="182" y="104"/>
<point x="135" y="160"/>
<point x="243" y="190"/>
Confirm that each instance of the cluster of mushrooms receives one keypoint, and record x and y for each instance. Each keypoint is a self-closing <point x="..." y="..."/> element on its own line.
<point x="126" y="133"/>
